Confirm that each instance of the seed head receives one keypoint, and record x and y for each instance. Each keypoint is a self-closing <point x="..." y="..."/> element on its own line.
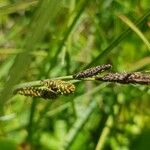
<point x="92" y="71"/>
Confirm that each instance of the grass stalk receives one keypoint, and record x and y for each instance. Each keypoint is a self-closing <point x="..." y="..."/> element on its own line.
<point x="30" y="126"/>
<point x="105" y="133"/>
<point x="135" y="29"/>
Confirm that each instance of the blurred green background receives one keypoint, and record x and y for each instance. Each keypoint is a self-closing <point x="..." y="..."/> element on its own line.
<point x="42" y="39"/>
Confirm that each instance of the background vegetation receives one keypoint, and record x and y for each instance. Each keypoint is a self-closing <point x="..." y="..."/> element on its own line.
<point x="42" y="39"/>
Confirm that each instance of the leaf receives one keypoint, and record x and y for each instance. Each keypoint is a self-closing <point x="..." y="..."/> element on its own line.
<point x="37" y="31"/>
<point x="135" y="29"/>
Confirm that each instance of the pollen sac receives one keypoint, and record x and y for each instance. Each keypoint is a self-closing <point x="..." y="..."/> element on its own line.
<point x="29" y="91"/>
<point x="92" y="71"/>
<point x="59" y="86"/>
<point x="48" y="89"/>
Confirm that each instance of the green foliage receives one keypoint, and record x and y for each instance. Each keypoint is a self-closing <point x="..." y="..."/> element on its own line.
<point x="45" y="39"/>
<point x="6" y="144"/>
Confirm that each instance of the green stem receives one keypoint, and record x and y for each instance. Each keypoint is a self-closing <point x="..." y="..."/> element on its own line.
<point x="31" y="121"/>
<point x="38" y="82"/>
<point x="105" y="133"/>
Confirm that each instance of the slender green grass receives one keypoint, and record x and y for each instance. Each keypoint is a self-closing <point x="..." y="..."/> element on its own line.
<point x="44" y="123"/>
<point x="36" y="32"/>
<point x="117" y="41"/>
<point x="79" y="10"/>
<point x="135" y="29"/>
<point x="105" y="133"/>
<point x="30" y="126"/>
<point x="12" y="8"/>
<point x="13" y="51"/>
<point x="139" y="64"/>
<point x="78" y="126"/>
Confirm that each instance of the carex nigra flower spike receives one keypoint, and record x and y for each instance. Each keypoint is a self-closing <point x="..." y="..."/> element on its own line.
<point x="48" y="89"/>
<point x="41" y="92"/>
<point x="59" y="86"/>
<point x="125" y="78"/>
<point x="92" y="71"/>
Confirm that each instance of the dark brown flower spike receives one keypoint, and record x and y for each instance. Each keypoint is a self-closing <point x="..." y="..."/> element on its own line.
<point x="140" y="78"/>
<point x="92" y="71"/>
<point x="125" y="78"/>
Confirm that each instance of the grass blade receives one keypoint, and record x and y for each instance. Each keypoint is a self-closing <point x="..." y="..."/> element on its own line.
<point x="79" y="11"/>
<point x="116" y="41"/>
<point x="37" y="30"/>
<point x="135" y="29"/>
<point x="5" y="10"/>
<point x="78" y="126"/>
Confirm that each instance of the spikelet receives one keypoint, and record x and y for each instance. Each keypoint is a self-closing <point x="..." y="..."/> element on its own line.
<point x="141" y="78"/>
<point x="47" y="93"/>
<point x="28" y="91"/>
<point x="59" y="86"/>
<point x="92" y="71"/>
<point x="125" y="78"/>
<point x="116" y="77"/>
<point x="41" y="92"/>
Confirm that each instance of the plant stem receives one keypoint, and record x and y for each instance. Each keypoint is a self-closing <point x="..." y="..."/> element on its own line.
<point x="122" y="78"/>
<point x="104" y="134"/>
<point x="31" y="121"/>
